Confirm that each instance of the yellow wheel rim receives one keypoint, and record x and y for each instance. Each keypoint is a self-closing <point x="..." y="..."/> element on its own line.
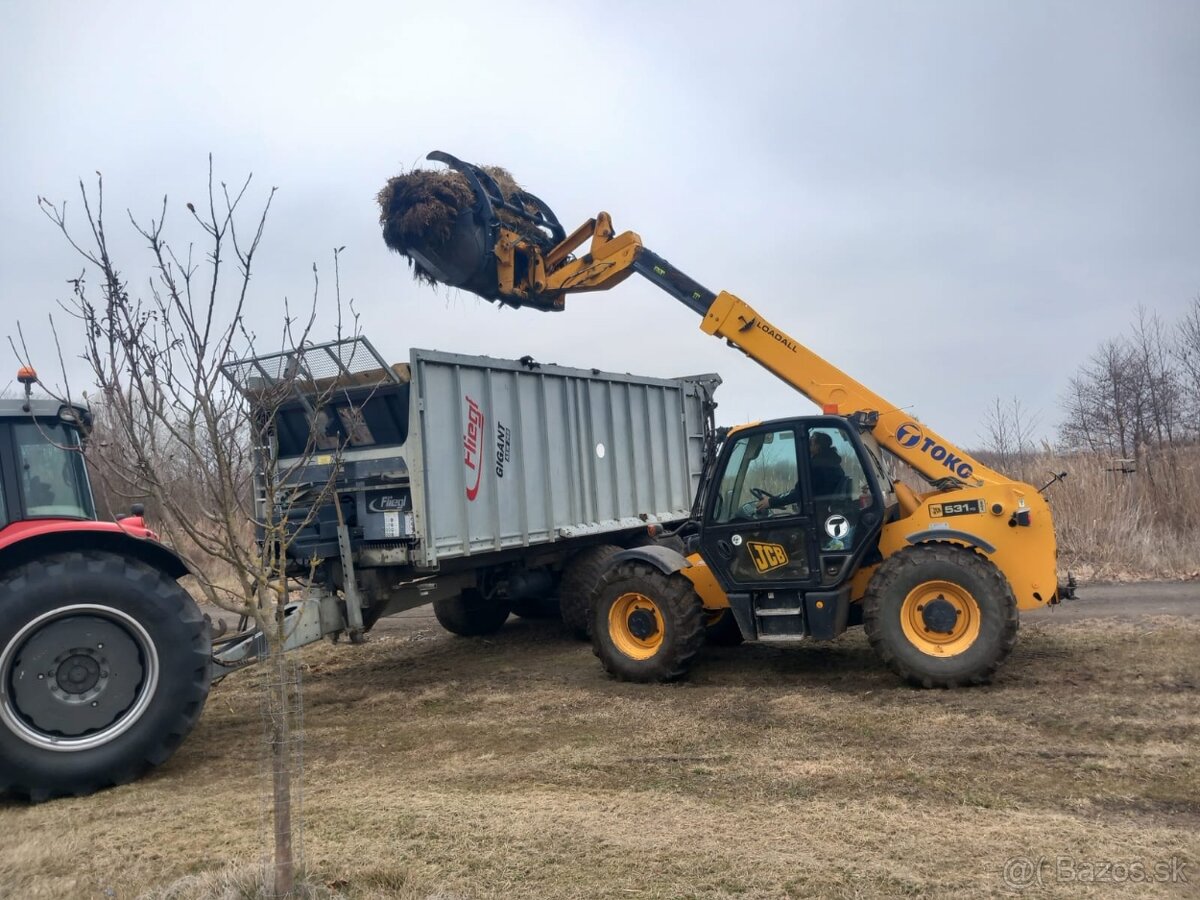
<point x="635" y="624"/>
<point x="940" y="618"/>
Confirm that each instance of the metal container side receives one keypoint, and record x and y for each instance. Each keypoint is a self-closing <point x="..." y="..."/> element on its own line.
<point x="506" y="455"/>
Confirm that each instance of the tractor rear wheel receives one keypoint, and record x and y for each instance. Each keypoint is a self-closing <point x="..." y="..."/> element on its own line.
<point x="470" y="614"/>
<point x="940" y="615"/>
<point x="646" y="626"/>
<point x="104" y="670"/>
<point x="578" y="586"/>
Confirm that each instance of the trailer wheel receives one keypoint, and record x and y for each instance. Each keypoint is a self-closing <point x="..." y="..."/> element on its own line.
<point x="721" y="628"/>
<point x="104" y="670"/>
<point x="940" y="615"/>
<point x="646" y="626"/>
<point x="578" y="586"/>
<point x="470" y="614"/>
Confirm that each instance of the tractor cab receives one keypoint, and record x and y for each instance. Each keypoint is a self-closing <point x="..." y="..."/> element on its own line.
<point x="794" y="507"/>
<point x="42" y="471"/>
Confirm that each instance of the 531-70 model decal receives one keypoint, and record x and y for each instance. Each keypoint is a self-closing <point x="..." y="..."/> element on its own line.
<point x="956" y="508"/>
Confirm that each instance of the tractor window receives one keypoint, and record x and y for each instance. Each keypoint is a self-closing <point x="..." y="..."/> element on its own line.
<point x="761" y="467"/>
<point x="51" y="471"/>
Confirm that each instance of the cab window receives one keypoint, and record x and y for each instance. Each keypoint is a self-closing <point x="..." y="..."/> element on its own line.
<point x="835" y="468"/>
<point x="51" y="471"/>
<point x="760" y="467"/>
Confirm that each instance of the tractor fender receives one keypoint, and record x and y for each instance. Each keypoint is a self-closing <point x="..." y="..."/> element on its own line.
<point x="105" y="537"/>
<point x="665" y="559"/>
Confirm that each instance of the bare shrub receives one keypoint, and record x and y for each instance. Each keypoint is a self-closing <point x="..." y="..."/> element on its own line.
<point x="1114" y="523"/>
<point x="175" y="432"/>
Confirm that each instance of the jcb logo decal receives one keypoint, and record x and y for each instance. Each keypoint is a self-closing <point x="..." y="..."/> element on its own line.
<point x="767" y="556"/>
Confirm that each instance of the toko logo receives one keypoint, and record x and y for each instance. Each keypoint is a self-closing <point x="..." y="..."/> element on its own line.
<point x="910" y="435"/>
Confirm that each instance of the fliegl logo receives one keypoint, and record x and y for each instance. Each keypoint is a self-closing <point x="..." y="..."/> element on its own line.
<point x="473" y="447"/>
<point x="911" y="436"/>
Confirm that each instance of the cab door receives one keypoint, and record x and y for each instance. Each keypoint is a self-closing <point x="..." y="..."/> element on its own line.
<point x="758" y="528"/>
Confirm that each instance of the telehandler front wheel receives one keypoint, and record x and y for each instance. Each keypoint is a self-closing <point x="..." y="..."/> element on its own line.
<point x="646" y="626"/>
<point x="940" y="615"/>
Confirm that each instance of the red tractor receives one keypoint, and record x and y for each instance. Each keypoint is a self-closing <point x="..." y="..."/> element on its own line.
<point x="104" y="657"/>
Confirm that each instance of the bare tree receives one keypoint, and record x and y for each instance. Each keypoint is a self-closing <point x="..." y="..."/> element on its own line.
<point x="1099" y="404"/>
<point x="1010" y="431"/>
<point x="1158" y="377"/>
<point x="174" y="430"/>
<point x="1186" y="352"/>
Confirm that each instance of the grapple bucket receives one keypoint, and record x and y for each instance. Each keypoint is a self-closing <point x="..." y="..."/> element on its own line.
<point x="453" y="241"/>
<point x="465" y="259"/>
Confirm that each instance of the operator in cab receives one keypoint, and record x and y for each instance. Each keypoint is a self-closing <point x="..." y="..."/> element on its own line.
<point x="825" y="467"/>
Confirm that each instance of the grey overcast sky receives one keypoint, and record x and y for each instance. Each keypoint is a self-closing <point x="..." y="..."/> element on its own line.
<point x="954" y="201"/>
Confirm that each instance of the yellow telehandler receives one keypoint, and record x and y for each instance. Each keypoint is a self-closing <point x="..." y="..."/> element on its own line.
<point x="799" y="529"/>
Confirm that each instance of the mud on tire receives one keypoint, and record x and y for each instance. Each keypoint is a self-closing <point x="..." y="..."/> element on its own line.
<point x="654" y="638"/>
<point x="120" y="708"/>
<point x="902" y="576"/>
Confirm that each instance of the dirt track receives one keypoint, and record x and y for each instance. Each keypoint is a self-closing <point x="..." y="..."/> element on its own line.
<point x="510" y="766"/>
<point x="1125" y="601"/>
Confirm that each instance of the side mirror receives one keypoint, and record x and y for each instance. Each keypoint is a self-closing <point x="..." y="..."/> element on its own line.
<point x="136" y="509"/>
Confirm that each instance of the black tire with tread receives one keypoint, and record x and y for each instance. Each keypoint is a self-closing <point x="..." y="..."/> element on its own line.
<point x="578" y="585"/>
<point x="901" y="573"/>
<point x="180" y="635"/>
<point x="683" y="622"/>
<point x="470" y="614"/>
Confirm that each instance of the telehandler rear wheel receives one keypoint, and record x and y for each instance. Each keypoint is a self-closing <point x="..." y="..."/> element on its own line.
<point x="470" y="614"/>
<point x="940" y="615"/>
<point x="646" y="626"/>
<point x="578" y="586"/>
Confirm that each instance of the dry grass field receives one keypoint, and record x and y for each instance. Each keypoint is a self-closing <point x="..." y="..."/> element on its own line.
<point x="511" y="767"/>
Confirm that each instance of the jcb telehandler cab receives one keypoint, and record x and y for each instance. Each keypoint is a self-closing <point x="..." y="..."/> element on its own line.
<point x="799" y="529"/>
<point x="104" y="657"/>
